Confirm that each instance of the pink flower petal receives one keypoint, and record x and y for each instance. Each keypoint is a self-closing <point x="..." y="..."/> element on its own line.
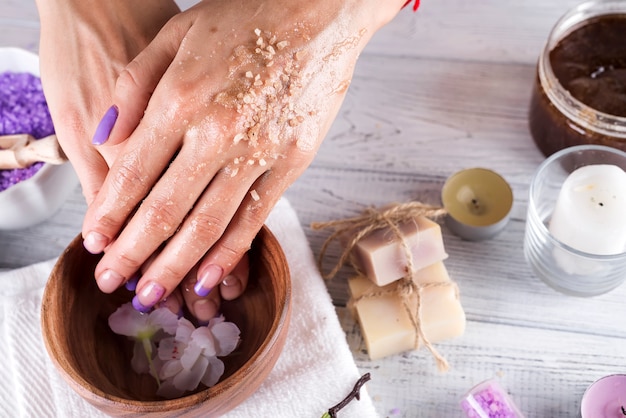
<point x="164" y="319"/>
<point x="127" y="321"/>
<point x="190" y="356"/>
<point x="203" y="337"/>
<point x="213" y="372"/>
<point x="169" y="369"/>
<point x="170" y="349"/>
<point x="227" y="337"/>
<point x="188" y="379"/>
<point x="139" y="362"/>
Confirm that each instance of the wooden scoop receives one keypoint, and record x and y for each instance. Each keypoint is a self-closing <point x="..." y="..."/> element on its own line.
<point x="23" y="150"/>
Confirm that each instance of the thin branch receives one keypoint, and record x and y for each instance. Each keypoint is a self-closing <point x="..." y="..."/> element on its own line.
<point x="354" y="394"/>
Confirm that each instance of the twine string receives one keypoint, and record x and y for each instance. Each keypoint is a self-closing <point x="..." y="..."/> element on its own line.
<point x="358" y="227"/>
<point x="372" y="220"/>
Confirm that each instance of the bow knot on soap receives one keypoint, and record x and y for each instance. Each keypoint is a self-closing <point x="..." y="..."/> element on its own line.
<point x="371" y="220"/>
<point x="407" y="287"/>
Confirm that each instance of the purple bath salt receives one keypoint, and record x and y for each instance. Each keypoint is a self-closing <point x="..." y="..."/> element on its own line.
<point x="489" y="400"/>
<point x="23" y="110"/>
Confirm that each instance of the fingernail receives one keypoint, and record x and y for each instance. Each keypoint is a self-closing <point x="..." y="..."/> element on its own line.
<point x="131" y="284"/>
<point x="105" y="126"/>
<point x="139" y="306"/>
<point x="109" y="281"/>
<point x="148" y="297"/>
<point x="209" y="278"/>
<point x="95" y="242"/>
<point x="231" y="281"/>
<point x="204" y="310"/>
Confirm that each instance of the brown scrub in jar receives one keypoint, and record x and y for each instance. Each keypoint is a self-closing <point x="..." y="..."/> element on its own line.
<point x="579" y="95"/>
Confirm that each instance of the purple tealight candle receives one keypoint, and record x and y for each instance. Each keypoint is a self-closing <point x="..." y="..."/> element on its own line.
<point x="605" y="398"/>
<point x="489" y="400"/>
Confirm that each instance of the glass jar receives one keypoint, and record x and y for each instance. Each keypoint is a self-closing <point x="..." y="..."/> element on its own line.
<point x="582" y="101"/>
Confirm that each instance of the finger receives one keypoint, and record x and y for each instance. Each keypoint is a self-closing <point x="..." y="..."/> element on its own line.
<point x="158" y="217"/>
<point x="129" y="179"/>
<point x="200" y="230"/>
<point x="135" y="85"/>
<point x="203" y="308"/>
<point x="91" y="171"/>
<point x="236" y="240"/>
<point x="234" y="284"/>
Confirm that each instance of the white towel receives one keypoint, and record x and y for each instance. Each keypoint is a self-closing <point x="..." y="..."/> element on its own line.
<point x="315" y="371"/>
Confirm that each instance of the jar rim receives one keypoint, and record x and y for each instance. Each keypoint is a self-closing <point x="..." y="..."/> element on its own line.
<point x="577" y="111"/>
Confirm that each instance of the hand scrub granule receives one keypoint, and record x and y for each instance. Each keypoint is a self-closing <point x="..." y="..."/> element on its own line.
<point x="23" y="110"/>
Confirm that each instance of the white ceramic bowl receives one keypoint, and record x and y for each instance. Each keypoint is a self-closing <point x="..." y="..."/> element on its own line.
<point x="34" y="200"/>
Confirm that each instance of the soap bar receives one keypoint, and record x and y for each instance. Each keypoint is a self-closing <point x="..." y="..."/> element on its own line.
<point x="385" y="324"/>
<point x="435" y="273"/>
<point x="381" y="256"/>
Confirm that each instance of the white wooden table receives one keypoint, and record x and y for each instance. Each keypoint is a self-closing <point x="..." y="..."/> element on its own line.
<point x="435" y="92"/>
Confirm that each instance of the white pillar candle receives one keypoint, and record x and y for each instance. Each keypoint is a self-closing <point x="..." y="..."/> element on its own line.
<point x="590" y="212"/>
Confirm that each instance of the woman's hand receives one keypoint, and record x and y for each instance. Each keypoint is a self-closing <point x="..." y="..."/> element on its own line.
<point x="238" y="96"/>
<point x="203" y="308"/>
<point x="84" y="46"/>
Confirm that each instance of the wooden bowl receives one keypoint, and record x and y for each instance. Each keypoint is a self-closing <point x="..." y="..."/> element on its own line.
<point x="96" y="362"/>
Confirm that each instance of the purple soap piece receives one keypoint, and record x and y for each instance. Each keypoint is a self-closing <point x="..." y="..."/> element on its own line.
<point x="23" y="110"/>
<point x="489" y="400"/>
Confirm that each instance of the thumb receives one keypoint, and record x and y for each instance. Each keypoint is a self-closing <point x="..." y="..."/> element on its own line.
<point x="135" y="85"/>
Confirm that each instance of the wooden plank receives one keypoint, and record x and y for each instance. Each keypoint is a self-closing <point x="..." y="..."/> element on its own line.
<point x="458" y="30"/>
<point x="546" y="372"/>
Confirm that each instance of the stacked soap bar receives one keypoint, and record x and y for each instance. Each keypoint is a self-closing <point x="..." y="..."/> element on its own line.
<point x="381" y="255"/>
<point x="386" y="325"/>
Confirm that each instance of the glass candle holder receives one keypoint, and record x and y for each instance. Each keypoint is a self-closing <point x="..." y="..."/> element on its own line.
<point x="489" y="400"/>
<point x="575" y="238"/>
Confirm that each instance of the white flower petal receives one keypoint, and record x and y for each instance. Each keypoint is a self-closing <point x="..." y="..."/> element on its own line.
<point x="190" y="356"/>
<point x="170" y="349"/>
<point x="126" y="320"/>
<point x="169" y="369"/>
<point x="188" y="379"/>
<point x="203" y="338"/>
<point x="184" y="330"/>
<point x="213" y="372"/>
<point x="163" y="318"/>
<point x="226" y="337"/>
<point x="139" y="362"/>
<point x="215" y="320"/>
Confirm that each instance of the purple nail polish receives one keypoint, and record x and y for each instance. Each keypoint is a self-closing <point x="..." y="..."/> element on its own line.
<point x="209" y="278"/>
<point x="149" y="296"/>
<point x="131" y="284"/>
<point x="139" y="306"/>
<point x="201" y="290"/>
<point x="105" y="126"/>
